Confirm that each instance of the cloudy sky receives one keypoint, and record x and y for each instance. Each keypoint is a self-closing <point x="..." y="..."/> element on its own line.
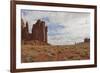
<point x="63" y="27"/>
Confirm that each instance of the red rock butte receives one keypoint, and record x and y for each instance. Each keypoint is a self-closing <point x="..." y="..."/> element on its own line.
<point x="39" y="31"/>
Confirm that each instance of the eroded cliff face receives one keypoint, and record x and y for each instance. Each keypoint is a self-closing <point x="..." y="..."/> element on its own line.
<point x="39" y="31"/>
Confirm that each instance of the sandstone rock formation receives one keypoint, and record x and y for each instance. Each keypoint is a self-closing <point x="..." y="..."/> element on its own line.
<point x="39" y="31"/>
<point x="24" y="30"/>
<point x="86" y="40"/>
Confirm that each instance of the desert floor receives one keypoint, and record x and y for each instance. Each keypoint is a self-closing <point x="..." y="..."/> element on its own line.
<point x="31" y="52"/>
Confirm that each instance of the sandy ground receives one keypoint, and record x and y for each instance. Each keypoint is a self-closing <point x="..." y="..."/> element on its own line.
<point x="31" y="52"/>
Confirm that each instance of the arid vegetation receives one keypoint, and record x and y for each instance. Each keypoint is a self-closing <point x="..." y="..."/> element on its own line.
<point x="31" y="52"/>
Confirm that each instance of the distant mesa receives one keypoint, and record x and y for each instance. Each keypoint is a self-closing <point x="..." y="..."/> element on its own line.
<point x="87" y="40"/>
<point x="39" y="31"/>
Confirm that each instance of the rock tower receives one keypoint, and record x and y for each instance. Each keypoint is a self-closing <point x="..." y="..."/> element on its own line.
<point x="39" y="31"/>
